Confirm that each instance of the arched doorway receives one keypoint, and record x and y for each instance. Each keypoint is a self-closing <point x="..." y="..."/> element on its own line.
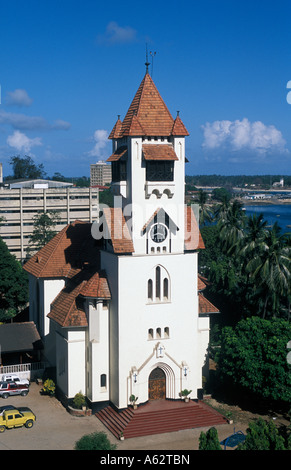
<point x="157" y="384"/>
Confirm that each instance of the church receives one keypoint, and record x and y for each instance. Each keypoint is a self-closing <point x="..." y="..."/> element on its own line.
<point x="119" y="303"/>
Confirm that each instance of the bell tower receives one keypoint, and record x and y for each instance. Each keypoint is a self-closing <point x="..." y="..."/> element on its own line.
<point x="151" y="243"/>
<point x="148" y="168"/>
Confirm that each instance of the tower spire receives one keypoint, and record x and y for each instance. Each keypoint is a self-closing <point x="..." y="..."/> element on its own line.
<point x="147" y="60"/>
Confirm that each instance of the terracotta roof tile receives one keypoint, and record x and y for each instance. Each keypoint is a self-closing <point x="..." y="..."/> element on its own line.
<point x="179" y="128"/>
<point x="158" y="152"/>
<point x="65" y="254"/>
<point x="116" y="131"/>
<point x="96" y="287"/>
<point x="205" y="306"/>
<point x="67" y="308"/>
<point x="119" y="153"/>
<point x="201" y="283"/>
<point x="148" y="115"/>
<point x="118" y="231"/>
<point x="193" y="238"/>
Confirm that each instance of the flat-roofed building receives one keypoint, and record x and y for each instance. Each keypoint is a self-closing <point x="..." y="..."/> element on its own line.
<point x="19" y="205"/>
<point x="100" y="174"/>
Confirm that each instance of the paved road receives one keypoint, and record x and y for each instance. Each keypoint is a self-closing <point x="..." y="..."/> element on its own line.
<point x="56" y="429"/>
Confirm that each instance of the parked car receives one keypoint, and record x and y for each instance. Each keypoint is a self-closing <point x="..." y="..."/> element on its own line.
<point x="14" y="378"/>
<point x="12" y="388"/>
<point x="16" y="418"/>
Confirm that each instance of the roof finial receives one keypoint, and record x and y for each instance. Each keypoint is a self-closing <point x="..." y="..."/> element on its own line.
<point x="147" y="60"/>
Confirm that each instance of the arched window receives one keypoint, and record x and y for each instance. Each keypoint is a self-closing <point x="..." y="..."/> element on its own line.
<point x="166" y="288"/>
<point x="158" y="286"/>
<point x="158" y="282"/>
<point x="158" y="333"/>
<point x="151" y="334"/>
<point x="166" y="332"/>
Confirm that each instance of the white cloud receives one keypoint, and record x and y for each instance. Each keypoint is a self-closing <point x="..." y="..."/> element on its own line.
<point x="101" y="141"/>
<point x="243" y="135"/>
<point x="116" y="34"/>
<point x="18" y="97"/>
<point x="24" y="122"/>
<point x="21" y="142"/>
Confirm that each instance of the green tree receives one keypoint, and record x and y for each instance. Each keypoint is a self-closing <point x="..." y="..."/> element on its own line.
<point x="270" y="268"/>
<point x="13" y="284"/>
<point x="231" y="226"/>
<point x="94" y="441"/>
<point x="205" y="213"/>
<point x="253" y="357"/>
<point x="222" y="195"/>
<point x="209" y="440"/>
<point x="43" y="231"/>
<point x="25" y="167"/>
<point x="262" y="436"/>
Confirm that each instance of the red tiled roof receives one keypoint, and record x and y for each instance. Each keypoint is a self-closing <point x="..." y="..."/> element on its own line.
<point x="116" y="131"/>
<point x="205" y="306"/>
<point x="193" y="238"/>
<point x="158" y="152"/>
<point x="96" y="287"/>
<point x="179" y="128"/>
<point x="65" y="254"/>
<point x="201" y="284"/>
<point x="148" y="115"/>
<point x="67" y="308"/>
<point x="118" y="231"/>
<point x="118" y="154"/>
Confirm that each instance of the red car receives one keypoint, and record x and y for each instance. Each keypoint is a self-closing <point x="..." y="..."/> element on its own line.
<point x="10" y="389"/>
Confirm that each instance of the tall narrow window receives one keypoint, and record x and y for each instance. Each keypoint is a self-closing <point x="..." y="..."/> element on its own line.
<point x="158" y="333"/>
<point x="158" y="282"/>
<point x="150" y="289"/>
<point x="166" y="288"/>
<point x="151" y="334"/>
<point x="103" y="380"/>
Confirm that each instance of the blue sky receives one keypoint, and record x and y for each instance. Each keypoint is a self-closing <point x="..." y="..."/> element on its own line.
<point x="68" y="68"/>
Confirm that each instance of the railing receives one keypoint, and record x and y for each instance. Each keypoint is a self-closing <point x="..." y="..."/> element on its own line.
<point x="27" y="371"/>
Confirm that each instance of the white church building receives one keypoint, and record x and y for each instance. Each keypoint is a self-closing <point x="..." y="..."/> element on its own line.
<point x="118" y="303"/>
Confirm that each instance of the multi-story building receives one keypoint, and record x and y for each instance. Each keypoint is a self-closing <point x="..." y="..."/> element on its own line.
<point x="100" y="174"/>
<point x="19" y="205"/>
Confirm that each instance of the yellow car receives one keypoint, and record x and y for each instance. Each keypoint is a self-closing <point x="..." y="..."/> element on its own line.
<point x="15" y="418"/>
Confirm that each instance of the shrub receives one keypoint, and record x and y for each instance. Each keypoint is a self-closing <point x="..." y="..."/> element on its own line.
<point x="262" y="436"/>
<point x="79" y="401"/>
<point x="209" y="440"/>
<point x="94" y="441"/>
<point x="49" y="387"/>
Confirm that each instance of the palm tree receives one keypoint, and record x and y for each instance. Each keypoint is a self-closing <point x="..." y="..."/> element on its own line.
<point x="205" y="214"/>
<point x="271" y="269"/>
<point x="231" y="226"/>
<point x="254" y="238"/>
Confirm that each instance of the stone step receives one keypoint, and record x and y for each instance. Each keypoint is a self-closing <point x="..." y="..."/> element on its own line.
<point x="146" y="420"/>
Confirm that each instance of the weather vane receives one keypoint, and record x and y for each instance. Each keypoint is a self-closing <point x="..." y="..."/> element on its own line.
<point x="153" y="55"/>
<point x="147" y="63"/>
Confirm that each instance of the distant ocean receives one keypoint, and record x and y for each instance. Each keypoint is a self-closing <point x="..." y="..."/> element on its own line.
<point x="273" y="213"/>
